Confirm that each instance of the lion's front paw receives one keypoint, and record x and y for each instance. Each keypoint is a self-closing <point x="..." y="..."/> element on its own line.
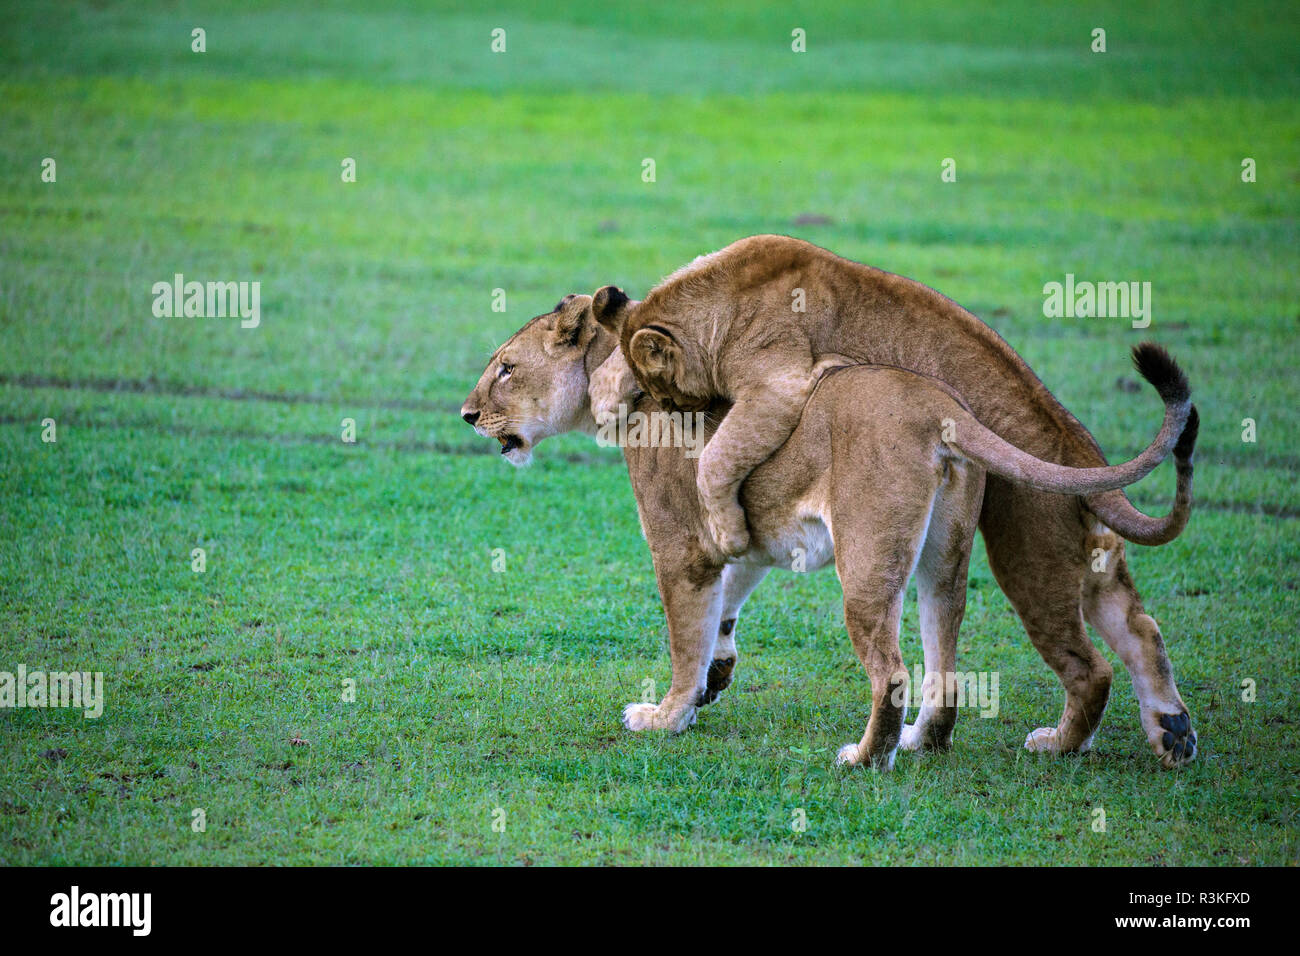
<point x="1043" y="740"/>
<point x="638" y="717"/>
<point x="612" y="389"/>
<point x="607" y="416"/>
<point x="850" y="755"/>
<point x="1047" y="740"/>
<point x="728" y="530"/>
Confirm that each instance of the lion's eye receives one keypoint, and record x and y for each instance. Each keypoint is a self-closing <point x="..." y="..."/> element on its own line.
<point x="504" y="372"/>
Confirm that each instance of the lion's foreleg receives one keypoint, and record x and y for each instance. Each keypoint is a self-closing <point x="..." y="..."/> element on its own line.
<point x="754" y="428"/>
<point x="738" y="582"/>
<point x="692" y="597"/>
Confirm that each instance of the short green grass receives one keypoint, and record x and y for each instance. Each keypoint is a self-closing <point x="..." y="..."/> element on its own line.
<point x="480" y="691"/>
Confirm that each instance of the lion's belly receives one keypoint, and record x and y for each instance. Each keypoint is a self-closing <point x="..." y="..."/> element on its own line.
<point x="797" y="537"/>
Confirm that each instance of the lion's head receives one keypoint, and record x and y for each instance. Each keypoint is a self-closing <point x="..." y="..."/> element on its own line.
<point x="535" y="385"/>
<point x="671" y="370"/>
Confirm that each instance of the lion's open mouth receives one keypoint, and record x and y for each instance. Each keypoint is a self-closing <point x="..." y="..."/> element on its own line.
<point x="509" y="443"/>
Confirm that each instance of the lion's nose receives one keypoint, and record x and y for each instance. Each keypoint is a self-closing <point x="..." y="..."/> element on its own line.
<point x="470" y="417"/>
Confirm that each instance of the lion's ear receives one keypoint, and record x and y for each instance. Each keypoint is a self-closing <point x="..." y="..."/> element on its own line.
<point x="655" y="353"/>
<point x="572" y="327"/>
<point x="610" y="307"/>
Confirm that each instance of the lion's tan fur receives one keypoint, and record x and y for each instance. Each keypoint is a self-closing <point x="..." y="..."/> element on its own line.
<point x="749" y="323"/>
<point x="866" y="469"/>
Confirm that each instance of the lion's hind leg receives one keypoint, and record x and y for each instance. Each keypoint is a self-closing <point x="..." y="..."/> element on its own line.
<point x="1112" y="606"/>
<point x="941" y="575"/>
<point x="875" y="555"/>
<point x="1035" y="553"/>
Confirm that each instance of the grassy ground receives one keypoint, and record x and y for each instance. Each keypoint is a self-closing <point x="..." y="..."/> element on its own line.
<point x="478" y="691"/>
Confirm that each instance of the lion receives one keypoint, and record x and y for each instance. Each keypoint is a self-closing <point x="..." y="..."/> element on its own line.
<point x="884" y="474"/>
<point x="729" y="326"/>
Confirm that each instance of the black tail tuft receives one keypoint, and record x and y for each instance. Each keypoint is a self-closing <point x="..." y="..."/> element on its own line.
<point x="1159" y="368"/>
<point x="1187" y="440"/>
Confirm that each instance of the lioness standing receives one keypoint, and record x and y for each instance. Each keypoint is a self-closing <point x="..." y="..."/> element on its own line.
<point x="883" y="476"/>
<point x="729" y="327"/>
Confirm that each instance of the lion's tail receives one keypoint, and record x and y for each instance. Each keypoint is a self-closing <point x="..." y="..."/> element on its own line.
<point x="1117" y="512"/>
<point x="1100" y="486"/>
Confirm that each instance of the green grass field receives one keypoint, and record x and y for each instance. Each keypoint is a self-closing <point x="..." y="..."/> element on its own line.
<point x="477" y="691"/>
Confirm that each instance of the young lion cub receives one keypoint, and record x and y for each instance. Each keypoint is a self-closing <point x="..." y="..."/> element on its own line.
<point x="755" y="323"/>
